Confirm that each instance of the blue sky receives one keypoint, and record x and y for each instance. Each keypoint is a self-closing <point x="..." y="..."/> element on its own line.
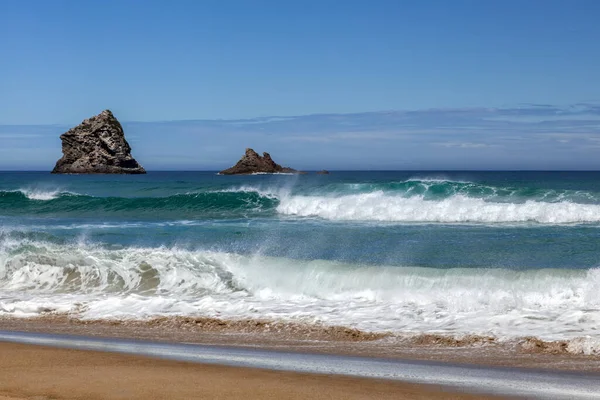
<point x="364" y="84"/>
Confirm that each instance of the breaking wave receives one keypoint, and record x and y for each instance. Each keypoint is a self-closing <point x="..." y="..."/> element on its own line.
<point x="384" y="207"/>
<point x="94" y="282"/>
<point x="201" y="204"/>
<point x="34" y="194"/>
<point x="442" y="201"/>
<point x="410" y="201"/>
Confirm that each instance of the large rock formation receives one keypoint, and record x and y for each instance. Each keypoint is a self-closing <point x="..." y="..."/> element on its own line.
<point x="252" y="163"/>
<point x="97" y="146"/>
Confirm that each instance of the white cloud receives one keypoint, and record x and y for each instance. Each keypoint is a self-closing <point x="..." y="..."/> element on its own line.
<point x="341" y="136"/>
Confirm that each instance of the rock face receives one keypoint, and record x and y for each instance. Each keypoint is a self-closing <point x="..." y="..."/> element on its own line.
<point x="97" y="146"/>
<point x="252" y="163"/>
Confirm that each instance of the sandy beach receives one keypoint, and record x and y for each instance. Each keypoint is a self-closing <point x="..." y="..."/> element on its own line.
<point x="37" y="372"/>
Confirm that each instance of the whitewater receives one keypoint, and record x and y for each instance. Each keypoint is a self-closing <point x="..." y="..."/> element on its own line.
<point x="502" y="254"/>
<point x="433" y="201"/>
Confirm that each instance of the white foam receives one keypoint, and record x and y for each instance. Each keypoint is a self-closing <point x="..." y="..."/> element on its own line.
<point x="94" y="282"/>
<point x="33" y="194"/>
<point x="382" y="206"/>
<point x="588" y="345"/>
<point x="42" y="194"/>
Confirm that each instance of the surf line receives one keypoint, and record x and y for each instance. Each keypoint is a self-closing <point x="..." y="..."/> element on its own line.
<point x="476" y="379"/>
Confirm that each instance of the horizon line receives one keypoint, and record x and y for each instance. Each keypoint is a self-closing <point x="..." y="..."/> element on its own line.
<point x="318" y="170"/>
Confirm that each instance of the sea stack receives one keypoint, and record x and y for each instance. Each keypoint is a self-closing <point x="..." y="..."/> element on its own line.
<point x="252" y="163"/>
<point x="323" y="172"/>
<point x="97" y="146"/>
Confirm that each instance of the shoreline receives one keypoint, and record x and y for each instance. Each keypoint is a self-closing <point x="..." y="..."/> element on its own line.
<point x="447" y="378"/>
<point x="40" y="372"/>
<point x="316" y="339"/>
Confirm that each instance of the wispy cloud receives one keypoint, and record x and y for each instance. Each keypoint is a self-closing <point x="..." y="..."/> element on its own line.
<point x="525" y="136"/>
<point x="343" y="136"/>
<point x="467" y="145"/>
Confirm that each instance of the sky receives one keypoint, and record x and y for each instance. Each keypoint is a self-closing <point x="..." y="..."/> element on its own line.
<point x="318" y="84"/>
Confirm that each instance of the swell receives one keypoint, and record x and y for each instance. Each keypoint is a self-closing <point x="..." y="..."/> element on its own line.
<point x="439" y="189"/>
<point x="409" y="201"/>
<point x="218" y="204"/>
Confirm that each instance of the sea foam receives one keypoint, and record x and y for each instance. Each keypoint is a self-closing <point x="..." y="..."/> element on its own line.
<point x="410" y="201"/>
<point x="385" y="207"/>
<point x="40" y="194"/>
<point x="93" y="282"/>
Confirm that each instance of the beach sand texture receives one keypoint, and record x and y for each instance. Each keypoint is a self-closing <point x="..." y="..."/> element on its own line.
<point x="36" y="372"/>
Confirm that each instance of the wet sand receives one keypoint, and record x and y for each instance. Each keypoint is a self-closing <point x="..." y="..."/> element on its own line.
<point x="317" y="339"/>
<point x="43" y="373"/>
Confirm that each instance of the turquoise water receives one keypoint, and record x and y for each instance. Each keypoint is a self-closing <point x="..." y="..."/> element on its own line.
<point x="501" y="253"/>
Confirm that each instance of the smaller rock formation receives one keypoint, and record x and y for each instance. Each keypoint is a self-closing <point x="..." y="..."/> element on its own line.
<point x="97" y="146"/>
<point x="252" y="163"/>
<point x="323" y="172"/>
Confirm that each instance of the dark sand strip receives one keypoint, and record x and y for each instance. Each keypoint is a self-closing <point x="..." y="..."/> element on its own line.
<point x="313" y="339"/>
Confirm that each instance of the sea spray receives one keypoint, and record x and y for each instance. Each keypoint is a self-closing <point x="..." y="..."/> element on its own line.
<point x="410" y="201"/>
<point x="382" y="207"/>
<point x="502" y="255"/>
<point x="91" y="281"/>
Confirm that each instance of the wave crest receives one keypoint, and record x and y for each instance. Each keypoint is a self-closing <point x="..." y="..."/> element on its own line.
<point x="383" y="207"/>
<point x="201" y="204"/>
<point x="96" y="282"/>
<point x="410" y="201"/>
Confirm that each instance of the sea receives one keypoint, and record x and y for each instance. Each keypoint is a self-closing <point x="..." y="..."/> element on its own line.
<point x="501" y="254"/>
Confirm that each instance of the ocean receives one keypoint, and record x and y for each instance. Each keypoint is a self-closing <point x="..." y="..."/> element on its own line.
<point x="502" y="254"/>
